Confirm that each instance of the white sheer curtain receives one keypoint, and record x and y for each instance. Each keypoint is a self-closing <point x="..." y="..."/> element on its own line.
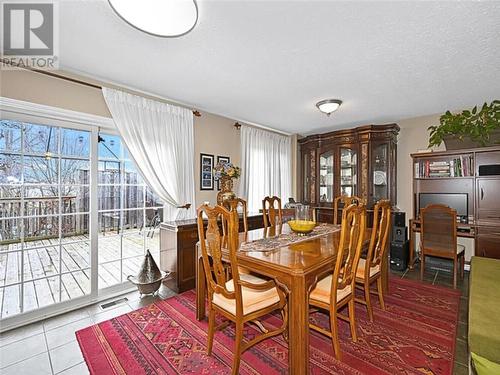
<point x="266" y="162"/>
<point x="160" y="139"/>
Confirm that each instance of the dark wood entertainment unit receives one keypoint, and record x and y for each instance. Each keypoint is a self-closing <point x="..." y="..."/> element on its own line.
<point x="478" y="176"/>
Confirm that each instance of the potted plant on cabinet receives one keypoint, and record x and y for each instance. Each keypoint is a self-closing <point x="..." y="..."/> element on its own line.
<point x="468" y="129"/>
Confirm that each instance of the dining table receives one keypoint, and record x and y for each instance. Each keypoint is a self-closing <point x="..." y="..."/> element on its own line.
<point x="296" y="267"/>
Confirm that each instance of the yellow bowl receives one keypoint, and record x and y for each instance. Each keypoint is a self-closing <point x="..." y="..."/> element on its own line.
<point x="302" y="226"/>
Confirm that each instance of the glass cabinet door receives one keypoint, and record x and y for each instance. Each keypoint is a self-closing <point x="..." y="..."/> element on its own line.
<point x="380" y="163"/>
<point x="326" y="177"/>
<point x="348" y="168"/>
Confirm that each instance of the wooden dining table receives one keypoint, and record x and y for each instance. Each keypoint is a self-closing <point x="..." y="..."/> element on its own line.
<point x="296" y="268"/>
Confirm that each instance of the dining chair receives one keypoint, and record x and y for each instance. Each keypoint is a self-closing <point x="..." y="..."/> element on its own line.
<point x="243" y="297"/>
<point x="344" y="201"/>
<point x="271" y="211"/>
<point x="438" y="237"/>
<point x="233" y="204"/>
<point x="337" y="289"/>
<point x="230" y="205"/>
<point x="370" y="269"/>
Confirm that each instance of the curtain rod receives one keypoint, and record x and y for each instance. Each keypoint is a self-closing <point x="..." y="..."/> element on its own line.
<point x="237" y="125"/>
<point x="73" y="80"/>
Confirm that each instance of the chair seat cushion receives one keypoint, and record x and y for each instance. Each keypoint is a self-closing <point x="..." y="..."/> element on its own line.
<point x="360" y="272"/>
<point x="323" y="290"/>
<point x="253" y="300"/>
<point x="438" y="246"/>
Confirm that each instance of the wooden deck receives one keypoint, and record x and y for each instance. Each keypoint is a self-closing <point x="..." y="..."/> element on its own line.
<point x="42" y="264"/>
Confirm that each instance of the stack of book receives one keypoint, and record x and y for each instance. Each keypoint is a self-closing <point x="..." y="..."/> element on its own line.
<point x="460" y="166"/>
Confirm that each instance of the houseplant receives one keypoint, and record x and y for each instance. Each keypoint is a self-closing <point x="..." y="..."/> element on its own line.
<point x="226" y="172"/>
<point x="470" y="128"/>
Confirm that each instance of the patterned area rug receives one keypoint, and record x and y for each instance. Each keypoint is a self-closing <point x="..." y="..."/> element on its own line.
<point x="415" y="335"/>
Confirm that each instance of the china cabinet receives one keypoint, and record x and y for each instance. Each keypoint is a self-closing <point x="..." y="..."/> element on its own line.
<point x="359" y="161"/>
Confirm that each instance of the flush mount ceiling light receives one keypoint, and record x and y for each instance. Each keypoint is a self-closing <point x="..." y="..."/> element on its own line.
<point x="328" y="106"/>
<point x="164" y="18"/>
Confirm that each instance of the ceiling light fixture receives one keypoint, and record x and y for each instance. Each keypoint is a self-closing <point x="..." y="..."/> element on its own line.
<point x="167" y="18"/>
<point x="328" y="106"/>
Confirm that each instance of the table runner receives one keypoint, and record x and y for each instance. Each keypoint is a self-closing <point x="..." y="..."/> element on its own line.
<point x="286" y="239"/>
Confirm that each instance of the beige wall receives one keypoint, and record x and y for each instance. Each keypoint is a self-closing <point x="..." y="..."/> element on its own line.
<point x="414" y="136"/>
<point x="41" y="89"/>
<point x="214" y="135"/>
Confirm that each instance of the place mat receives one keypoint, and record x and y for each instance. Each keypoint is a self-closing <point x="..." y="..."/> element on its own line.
<point x="273" y="243"/>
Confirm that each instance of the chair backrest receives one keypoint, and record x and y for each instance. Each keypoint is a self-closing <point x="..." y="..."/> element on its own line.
<point x="439" y="229"/>
<point x="380" y="233"/>
<point x="212" y="244"/>
<point x="342" y="202"/>
<point x="352" y="235"/>
<point x="271" y="211"/>
<point x="232" y="204"/>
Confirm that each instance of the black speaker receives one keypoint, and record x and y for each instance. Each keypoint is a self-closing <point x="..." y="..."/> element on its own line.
<point x="399" y="234"/>
<point x="399" y="219"/>
<point x="399" y="230"/>
<point x="399" y="256"/>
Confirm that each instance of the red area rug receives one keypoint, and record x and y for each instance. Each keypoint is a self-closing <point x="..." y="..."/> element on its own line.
<point x="415" y="335"/>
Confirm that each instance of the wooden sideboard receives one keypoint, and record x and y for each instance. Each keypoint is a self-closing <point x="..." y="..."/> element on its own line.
<point x="359" y="161"/>
<point x="178" y="248"/>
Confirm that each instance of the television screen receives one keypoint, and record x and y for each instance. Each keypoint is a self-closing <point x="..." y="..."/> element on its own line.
<point x="456" y="201"/>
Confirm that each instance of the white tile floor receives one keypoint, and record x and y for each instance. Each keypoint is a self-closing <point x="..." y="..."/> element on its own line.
<point x="50" y="346"/>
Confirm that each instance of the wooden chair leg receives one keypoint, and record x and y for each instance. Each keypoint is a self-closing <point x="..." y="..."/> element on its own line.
<point x="462" y="267"/>
<point x="284" y="315"/>
<point x="422" y="266"/>
<point x="380" y="293"/>
<point x="352" y="320"/>
<point x="455" y="268"/>
<point x="211" y="329"/>
<point x="260" y="326"/>
<point x="237" y="348"/>
<point x="368" y="301"/>
<point x="335" y="334"/>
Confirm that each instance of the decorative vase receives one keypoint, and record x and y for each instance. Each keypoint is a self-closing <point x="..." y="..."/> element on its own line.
<point x="226" y="189"/>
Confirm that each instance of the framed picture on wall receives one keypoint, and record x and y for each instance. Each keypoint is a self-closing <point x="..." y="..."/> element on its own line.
<point x="225" y="159"/>
<point x="206" y="172"/>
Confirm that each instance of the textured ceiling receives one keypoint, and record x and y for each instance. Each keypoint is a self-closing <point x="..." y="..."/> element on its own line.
<point x="269" y="62"/>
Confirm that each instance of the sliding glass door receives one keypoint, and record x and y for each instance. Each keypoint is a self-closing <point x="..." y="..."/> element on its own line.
<point x="129" y="214"/>
<point x="44" y="215"/>
<point x="55" y="181"/>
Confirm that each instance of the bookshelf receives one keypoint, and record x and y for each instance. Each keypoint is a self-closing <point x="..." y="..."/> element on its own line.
<point x="444" y="166"/>
<point x="444" y="172"/>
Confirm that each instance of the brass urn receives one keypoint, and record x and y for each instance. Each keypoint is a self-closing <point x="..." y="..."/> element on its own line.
<point x="226" y="190"/>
